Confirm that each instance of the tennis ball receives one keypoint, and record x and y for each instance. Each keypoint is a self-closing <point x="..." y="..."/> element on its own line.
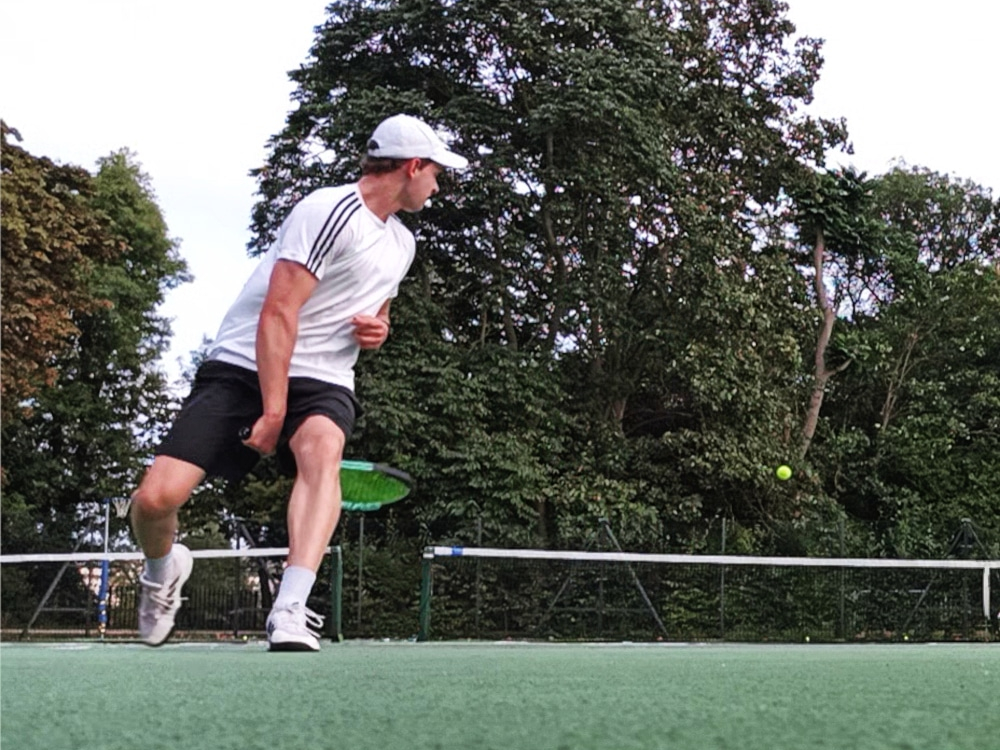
<point x="783" y="472"/>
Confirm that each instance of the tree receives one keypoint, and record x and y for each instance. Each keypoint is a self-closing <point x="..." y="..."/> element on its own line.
<point x="619" y="153"/>
<point x="52" y="239"/>
<point x="86" y="434"/>
<point x="837" y="217"/>
<point x="910" y="439"/>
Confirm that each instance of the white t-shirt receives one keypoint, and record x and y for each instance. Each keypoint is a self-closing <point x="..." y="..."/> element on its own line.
<point x="359" y="261"/>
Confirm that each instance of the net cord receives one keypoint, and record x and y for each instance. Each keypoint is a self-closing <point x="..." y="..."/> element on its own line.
<point x="680" y="559"/>
<point x="82" y="557"/>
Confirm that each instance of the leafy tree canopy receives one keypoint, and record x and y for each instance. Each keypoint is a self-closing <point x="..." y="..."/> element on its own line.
<point x="82" y="435"/>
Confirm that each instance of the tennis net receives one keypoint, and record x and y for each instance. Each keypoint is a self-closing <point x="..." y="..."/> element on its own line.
<point x="566" y="595"/>
<point x="94" y="594"/>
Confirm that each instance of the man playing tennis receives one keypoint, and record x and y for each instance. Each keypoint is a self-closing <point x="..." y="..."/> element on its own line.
<point x="282" y="369"/>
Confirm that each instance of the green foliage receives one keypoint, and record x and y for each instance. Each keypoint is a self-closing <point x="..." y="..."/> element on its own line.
<point x="87" y="433"/>
<point x="52" y="239"/>
<point x="839" y="204"/>
<point x="911" y="434"/>
<point x="590" y="307"/>
<point x="475" y="428"/>
<point x="612" y="314"/>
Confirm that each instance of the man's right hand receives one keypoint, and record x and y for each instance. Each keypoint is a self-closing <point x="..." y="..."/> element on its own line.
<point x="263" y="437"/>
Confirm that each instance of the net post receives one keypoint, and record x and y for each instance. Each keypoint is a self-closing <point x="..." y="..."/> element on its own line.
<point x="102" y="593"/>
<point x="102" y="598"/>
<point x="361" y="565"/>
<point x="986" y="595"/>
<point x="336" y="631"/>
<point x="722" y="586"/>
<point x="426" y="589"/>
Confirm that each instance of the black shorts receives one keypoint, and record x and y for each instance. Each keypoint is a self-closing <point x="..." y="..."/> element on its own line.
<point x="225" y="399"/>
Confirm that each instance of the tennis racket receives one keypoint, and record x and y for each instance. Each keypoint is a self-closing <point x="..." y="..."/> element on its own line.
<point x="367" y="486"/>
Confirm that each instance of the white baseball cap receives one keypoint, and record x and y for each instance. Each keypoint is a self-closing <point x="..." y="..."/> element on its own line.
<point x="405" y="137"/>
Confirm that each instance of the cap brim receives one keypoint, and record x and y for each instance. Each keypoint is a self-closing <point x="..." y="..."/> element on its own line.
<point x="450" y="160"/>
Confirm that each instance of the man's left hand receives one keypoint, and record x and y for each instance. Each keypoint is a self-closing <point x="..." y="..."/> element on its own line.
<point x="370" y="331"/>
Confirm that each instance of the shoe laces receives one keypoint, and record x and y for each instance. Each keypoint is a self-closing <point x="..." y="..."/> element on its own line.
<point x="157" y="593"/>
<point x="302" y="617"/>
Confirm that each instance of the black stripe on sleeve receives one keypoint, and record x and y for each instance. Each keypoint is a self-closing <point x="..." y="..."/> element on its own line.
<point x="332" y="228"/>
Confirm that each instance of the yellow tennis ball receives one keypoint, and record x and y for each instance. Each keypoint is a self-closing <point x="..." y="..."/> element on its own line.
<point x="784" y="472"/>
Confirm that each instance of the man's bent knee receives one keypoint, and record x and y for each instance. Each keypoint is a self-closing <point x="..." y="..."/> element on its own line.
<point x="166" y="486"/>
<point x="318" y="442"/>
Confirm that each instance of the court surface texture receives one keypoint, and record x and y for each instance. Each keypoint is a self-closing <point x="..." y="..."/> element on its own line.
<point x="361" y="695"/>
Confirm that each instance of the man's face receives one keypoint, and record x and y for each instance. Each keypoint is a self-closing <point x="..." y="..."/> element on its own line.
<point x="423" y="183"/>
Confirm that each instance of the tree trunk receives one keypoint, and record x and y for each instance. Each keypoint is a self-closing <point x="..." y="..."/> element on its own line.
<point x="821" y="373"/>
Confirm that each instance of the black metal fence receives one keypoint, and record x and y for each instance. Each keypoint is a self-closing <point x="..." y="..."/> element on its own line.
<point x="378" y="594"/>
<point x="51" y="600"/>
<point x="574" y="600"/>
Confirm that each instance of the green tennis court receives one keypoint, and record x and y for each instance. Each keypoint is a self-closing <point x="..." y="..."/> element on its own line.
<point x="440" y="696"/>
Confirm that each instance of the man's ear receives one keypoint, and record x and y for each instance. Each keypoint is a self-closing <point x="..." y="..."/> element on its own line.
<point x="412" y="166"/>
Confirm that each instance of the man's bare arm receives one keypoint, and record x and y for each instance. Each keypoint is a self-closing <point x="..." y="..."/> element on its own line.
<point x="290" y="286"/>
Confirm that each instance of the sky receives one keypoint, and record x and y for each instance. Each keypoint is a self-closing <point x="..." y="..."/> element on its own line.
<point x="195" y="89"/>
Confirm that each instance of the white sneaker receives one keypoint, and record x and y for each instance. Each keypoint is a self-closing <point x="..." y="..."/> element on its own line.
<point x="291" y="629"/>
<point x="159" y="602"/>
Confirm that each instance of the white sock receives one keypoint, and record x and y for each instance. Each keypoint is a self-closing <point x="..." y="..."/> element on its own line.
<point x="296" y="583"/>
<point x="157" y="568"/>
